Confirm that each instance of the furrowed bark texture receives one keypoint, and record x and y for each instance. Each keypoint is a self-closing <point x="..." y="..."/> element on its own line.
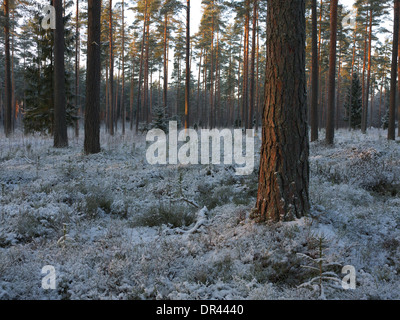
<point x="283" y="193"/>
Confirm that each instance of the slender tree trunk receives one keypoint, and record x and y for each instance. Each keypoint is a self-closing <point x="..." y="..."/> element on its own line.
<point x="123" y="70"/>
<point x="111" y="76"/>
<point x="187" y="85"/>
<point x="398" y="86"/>
<point x="283" y="192"/>
<point x="92" y="109"/>
<point x="369" y="70"/>
<point x="146" y="105"/>
<point x="60" y="121"/>
<point x="393" y="77"/>
<point x="372" y="104"/>
<point x="239" y="116"/>
<point x="320" y="85"/>
<point x="165" y="93"/>
<point x="258" y="78"/>
<point x="151" y="93"/>
<point x="13" y="97"/>
<point x="204" y="113"/>
<point x="131" y="97"/>
<point x="252" y="67"/>
<point x="330" y="124"/>
<point x="138" y="102"/>
<point x="107" y="102"/>
<point x="217" y="82"/>
<point x="338" y="102"/>
<point x="315" y="74"/>
<point x="116" y="105"/>
<point x="7" y="71"/>
<point x="352" y="67"/>
<point x="198" y="89"/>
<point x="77" y="69"/>
<point x="380" y="106"/>
<point x="246" y="67"/>
<point x="364" y="113"/>
<point x="211" y="124"/>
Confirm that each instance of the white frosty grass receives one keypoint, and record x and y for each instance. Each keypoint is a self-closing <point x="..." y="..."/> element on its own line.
<point x="115" y="227"/>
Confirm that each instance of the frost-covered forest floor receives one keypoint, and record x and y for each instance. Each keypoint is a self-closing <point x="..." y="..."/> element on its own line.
<point x="115" y="227"/>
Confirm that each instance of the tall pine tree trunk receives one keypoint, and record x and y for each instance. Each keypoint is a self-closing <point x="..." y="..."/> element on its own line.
<point x="252" y="67"/>
<point x="138" y="102"/>
<point x="187" y="85"/>
<point x="165" y="91"/>
<point x="92" y="109"/>
<point x="123" y="70"/>
<point x="77" y="69"/>
<point x="60" y="119"/>
<point x="198" y="89"/>
<point x="111" y="76"/>
<point x="369" y="70"/>
<point x="330" y="120"/>
<point x="283" y="192"/>
<point x="393" y="80"/>
<point x="131" y="95"/>
<point x="338" y="101"/>
<point x="315" y="74"/>
<point x="352" y="66"/>
<point x="212" y="76"/>
<point x="364" y="112"/>
<point x="13" y="96"/>
<point x="320" y="85"/>
<point x="398" y="87"/>
<point x="245" y="95"/>
<point x="7" y="71"/>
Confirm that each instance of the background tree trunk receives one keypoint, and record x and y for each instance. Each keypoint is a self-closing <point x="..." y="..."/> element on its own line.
<point x="111" y="76"/>
<point x="78" y="111"/>
<point x="398" y="86"/>
<point x="368" y="70"/>
<point x="7" y="72"/>
<point x="60" y="122"/>
<point x="138" y="102"/>
<point x="253" y="64"/>
<point x="315" y="74"/>
<point x="165" y="89"/>
<point x="393" y="81"/>
<point x="123" y="116"/>
<point x="187" y="86"/>
<point x="283" y="192"/>
<point x="92" y="110"/>
<point x="330" y="120"/>
<point x="364" y="112"/>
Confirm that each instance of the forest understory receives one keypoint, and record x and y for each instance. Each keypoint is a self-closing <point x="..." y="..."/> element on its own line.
<point x="115" y="227"/>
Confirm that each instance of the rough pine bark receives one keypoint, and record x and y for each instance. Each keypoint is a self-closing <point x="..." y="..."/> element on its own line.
<point x="92" y="110"/>
<point x="283" y="192"/>
<point x="60" y="119"/>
